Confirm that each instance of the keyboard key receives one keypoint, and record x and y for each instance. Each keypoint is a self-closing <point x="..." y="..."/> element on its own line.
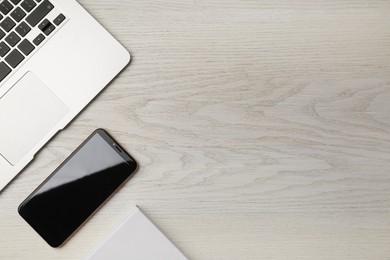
<point x="59" y="19"/>
<point x="18" y="14"/>
<point x="4" y="49"/>
<point x="39" y="39"/>
<point x="4" y="71"/>
<point x="15" y="2"/>
<point x="2" y="34"/>
<point x="49" y="29"/>
<point x="43" y="24"/>
<point x="12" y="39"/>
<point x="23" y="29"/>
<point x="7" y="24"/>
<point x="39" y="13"/>
<point x="5" y="7"/>
<point x="14" y="58"/>
<point x="26" y="47"/>
<point x="28" y="5"/>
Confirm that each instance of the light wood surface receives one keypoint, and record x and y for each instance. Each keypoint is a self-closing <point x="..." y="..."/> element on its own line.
<point x="262" y="129"/>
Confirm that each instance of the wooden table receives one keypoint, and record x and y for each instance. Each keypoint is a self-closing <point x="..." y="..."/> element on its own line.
<point x="262" y="129"/>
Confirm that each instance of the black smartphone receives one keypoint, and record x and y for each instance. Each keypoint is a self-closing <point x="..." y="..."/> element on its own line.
<point x="77" y="188"/>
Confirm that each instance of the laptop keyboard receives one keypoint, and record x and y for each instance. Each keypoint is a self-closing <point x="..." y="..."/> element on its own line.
<point x="17" y="18"/>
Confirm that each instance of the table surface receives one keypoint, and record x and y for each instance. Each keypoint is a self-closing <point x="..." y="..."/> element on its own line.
<point x="262" y="129"/>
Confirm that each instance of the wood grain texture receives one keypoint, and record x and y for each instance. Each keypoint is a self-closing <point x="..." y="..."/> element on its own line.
<point x="262" y="129"/>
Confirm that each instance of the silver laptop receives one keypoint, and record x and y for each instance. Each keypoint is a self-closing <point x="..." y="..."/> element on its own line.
<point x="54" y="59"/>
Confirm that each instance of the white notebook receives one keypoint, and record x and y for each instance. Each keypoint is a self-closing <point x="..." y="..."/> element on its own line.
<point x="136" y="238"/>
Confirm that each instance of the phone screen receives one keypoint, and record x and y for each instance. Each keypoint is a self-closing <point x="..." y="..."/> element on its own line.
<point x="68" y="197"/>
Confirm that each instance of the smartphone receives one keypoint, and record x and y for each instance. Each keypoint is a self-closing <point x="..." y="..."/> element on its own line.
<point x="77" y="188"/>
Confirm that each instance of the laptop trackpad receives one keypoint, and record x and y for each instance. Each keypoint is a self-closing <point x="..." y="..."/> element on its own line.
<point x="27" y="113"/>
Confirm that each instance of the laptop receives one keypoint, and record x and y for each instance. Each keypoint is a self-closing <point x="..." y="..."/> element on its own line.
<point x="54" y="59"/>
